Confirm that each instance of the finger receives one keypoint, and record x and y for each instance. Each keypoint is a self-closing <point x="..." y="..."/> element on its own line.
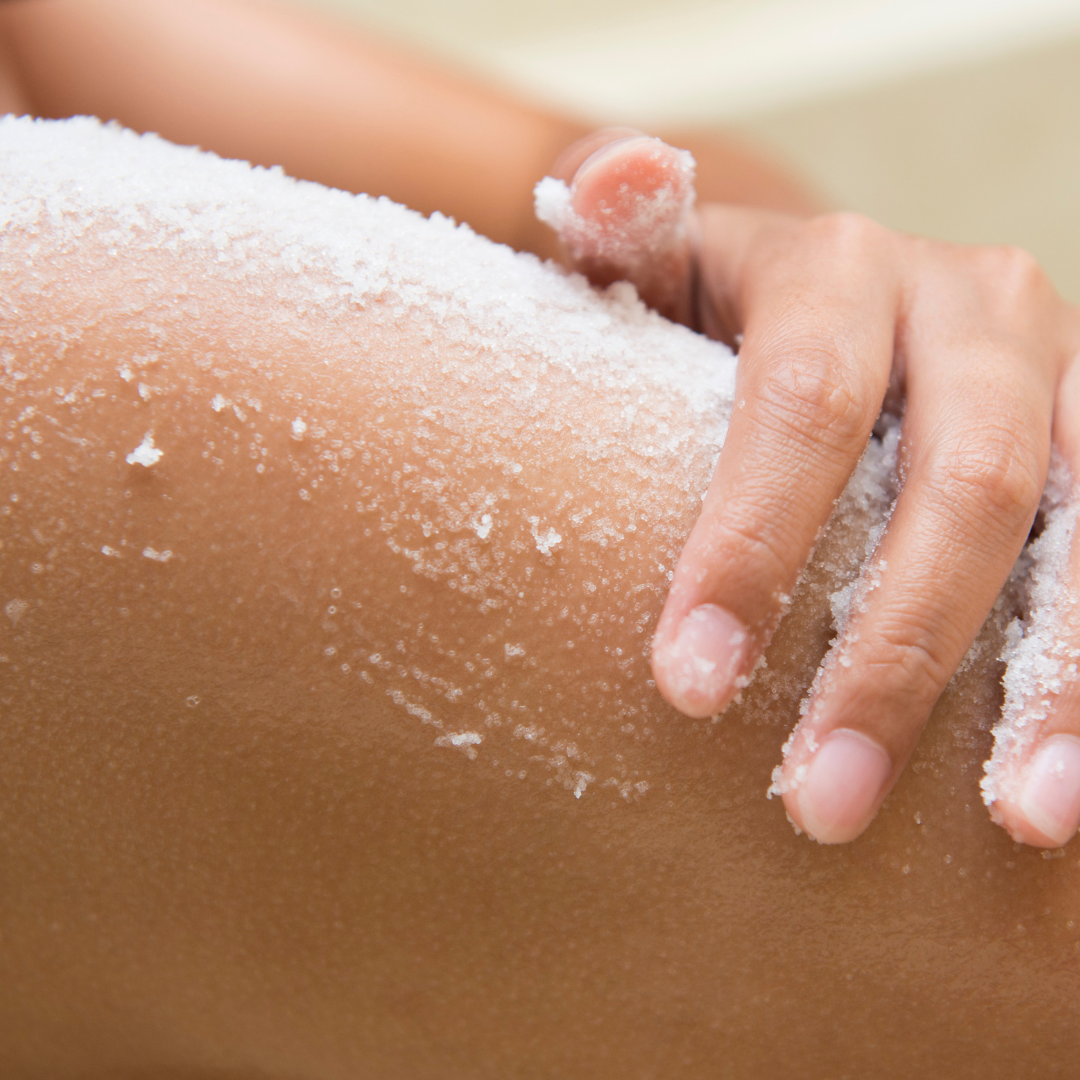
<point x="977" y="445"/>
<point x="1032" y="780"/>
<point x="626" y="215"/>
<point x="813" y="370"/>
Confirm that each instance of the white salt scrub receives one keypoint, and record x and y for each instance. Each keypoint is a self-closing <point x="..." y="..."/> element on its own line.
<point x="518" y="355"/>
<point x="510" y="362"/>
<point x="1040" y="664"/>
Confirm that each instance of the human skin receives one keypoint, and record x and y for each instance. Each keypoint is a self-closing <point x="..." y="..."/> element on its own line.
<point x="838" y="317"/>
<point x="275" y="85"/>
<point x="833" y="311"/>
<point x="227" y="856"/>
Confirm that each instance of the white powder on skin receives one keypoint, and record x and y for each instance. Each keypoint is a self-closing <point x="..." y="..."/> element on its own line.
<point x="526" y="353"/>
<point x="521" y="355"/>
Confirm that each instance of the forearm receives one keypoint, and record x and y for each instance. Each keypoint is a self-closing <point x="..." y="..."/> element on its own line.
<point x="276" y="86"/>
<point x="280" y="87"/>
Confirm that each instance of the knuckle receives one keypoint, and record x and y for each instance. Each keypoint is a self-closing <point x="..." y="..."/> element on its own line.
<point x="848" y="232"/>
<point x="812" y="392"/>
<point x="1013" y="273"/>
<point x="749" y="542"/>
<point x="909" y="661"/>
<point x="1001" y="479"/>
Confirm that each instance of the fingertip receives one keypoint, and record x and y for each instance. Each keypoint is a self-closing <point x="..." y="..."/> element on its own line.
<point x="636" y="189"/>
<point x="833" y="794"/>
<point x="1045" y="809"/>
<point x="700" y="666"/>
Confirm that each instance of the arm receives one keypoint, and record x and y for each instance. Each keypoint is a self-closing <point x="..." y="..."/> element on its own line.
<point x="275" y="86"/>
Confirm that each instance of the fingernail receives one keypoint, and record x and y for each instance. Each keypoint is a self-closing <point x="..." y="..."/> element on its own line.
<point x="1051" y="796"/>
<point x="838" y="797"/>
<point x="602" y="152"/>
<point x="703" y="663"/>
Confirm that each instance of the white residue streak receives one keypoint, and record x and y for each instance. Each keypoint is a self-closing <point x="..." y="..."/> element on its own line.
<point x="298" y="428"/>
<point x="145" y="454"/>
<point x="483" y="526"/>
<point x="467" y="741"/>
<point x="157" y="556"/>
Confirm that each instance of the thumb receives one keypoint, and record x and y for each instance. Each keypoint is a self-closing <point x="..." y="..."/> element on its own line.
<point x="622" y="206"/>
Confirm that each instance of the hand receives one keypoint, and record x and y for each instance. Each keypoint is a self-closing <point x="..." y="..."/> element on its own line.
<point x="832" y="313"/>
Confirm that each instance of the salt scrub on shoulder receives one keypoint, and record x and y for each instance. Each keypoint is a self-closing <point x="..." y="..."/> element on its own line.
<point x="503" y="353"/>
<point x="487" y="366"/>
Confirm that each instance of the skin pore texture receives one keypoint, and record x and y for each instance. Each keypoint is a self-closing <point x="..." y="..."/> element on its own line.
<point x="333" y="542"/>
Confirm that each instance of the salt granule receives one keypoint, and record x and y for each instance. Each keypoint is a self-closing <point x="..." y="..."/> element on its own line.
<point x="552" y="203"/>
<point x="547" y="540"/>
<point x="466" y="741"/>
<point x="145" y="454"/>
<point x="15" y="610"/>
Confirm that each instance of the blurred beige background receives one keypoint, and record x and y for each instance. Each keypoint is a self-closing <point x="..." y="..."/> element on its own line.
<point x="953" y="118"/>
